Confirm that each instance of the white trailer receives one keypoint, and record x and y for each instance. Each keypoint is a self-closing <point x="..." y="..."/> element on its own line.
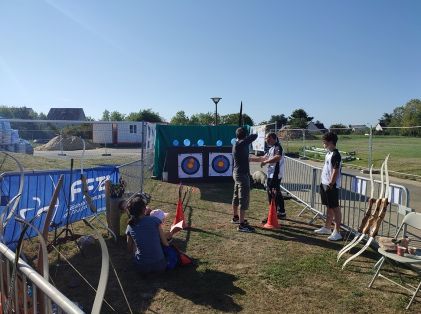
<point x="124" y="132"/>
<point x="129" y="132"/>
<point x="102" y="133"/>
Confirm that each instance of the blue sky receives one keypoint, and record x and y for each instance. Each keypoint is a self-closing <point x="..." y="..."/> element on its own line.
<point x="342" y="61"/>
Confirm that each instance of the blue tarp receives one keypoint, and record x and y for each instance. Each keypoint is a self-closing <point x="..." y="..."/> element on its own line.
<point x="38" y="190"/>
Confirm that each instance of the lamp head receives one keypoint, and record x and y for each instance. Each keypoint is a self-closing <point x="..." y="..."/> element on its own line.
<point x="216" y="100"/>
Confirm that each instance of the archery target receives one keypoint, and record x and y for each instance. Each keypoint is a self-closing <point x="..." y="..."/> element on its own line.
<point x="190" y="166"/>
<point x="220" y="164"/>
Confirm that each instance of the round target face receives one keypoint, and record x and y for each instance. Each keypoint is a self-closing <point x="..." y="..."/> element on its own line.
<point x="221" y="164"/>
<point x="190" y="165"/>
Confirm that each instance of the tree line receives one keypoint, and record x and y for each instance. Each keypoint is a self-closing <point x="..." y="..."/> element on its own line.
<point x="404" y="117"/>
<point x="401" y="120"/>
<point x="181" y="118"/>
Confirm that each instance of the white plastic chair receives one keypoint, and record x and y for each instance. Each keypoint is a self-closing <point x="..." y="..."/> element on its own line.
<point x="414" y="262"/>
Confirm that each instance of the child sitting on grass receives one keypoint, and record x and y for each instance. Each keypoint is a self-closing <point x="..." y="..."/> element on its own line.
<point x="161" y="215"/>
<point x="145" y="238"/>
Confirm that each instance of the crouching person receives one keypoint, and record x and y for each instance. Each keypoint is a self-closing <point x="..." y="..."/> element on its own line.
<point x="145" y="238"/>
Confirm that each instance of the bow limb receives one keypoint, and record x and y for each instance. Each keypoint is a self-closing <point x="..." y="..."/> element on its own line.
<point x="105" y="267"/>
<point x="14" y="202"/>
<point x="382" y="181"/>
<point x="387" y="180"/>
<point x="18" y="251"/>
<point x="359" y="252"/>
<point x="92" y="207"/>
<point x="371" y="183"/>
<point x="43" y="269"/>
<point x="345" y="248"/>
<point x="88" y="198"/>
<point x="42" y="258"/>
<point x="352" y="245"/>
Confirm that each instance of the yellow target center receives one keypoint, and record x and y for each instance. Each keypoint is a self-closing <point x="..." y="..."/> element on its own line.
<point x="190" y="164"/>
<point x="220" y="163"/>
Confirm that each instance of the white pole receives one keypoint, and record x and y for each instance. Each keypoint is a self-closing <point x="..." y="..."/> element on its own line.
<point x="304" y="143"/>
<point x="142" y="158"/>
<point x="370" y="147"/>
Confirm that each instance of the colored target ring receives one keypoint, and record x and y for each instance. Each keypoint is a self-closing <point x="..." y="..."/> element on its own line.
<point x="221" y="164"/>
<point x="190" y="165"/>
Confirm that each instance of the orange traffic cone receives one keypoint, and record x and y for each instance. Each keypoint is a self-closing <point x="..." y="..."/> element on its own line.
<point x="179" y="215"/>
<point x="272" y="222"/>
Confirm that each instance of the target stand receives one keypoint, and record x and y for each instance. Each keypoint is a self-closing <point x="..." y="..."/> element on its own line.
<point x="199" y="164"/>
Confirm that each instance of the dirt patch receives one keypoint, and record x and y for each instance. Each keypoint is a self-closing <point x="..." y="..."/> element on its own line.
<point x="66" y="143"/>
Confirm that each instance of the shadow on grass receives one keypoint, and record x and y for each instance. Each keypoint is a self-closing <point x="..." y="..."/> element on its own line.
<point x="217" y="193"/>
<point x="197" y="284"/>
<point x="301" y="232"/>
<point x="209" y="288"/>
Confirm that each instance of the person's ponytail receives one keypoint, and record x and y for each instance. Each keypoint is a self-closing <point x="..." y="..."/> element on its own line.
<point x="132" y="220"/>
<point x="135" y="208"/>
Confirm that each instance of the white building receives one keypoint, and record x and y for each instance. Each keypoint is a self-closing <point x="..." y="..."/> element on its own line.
<point x="123" y="132"/>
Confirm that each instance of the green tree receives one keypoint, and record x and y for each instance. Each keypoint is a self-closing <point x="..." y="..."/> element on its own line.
<point x="299" y="119"/>
<point x="28" y="130"/>
<point x="280" y="120"/>
<point x="117" y="116"/>
<point x="233" y="119"/>
<point x="406" y="116"/>
<point x="105" y="115"/>
<point x="203" y="118"/>
<point x="340" y="129"/>
<point x="18" y="113"/>
<point x="180" y="118"/>
<point x="386" y="119"/>
<point x="411" y="116"/>
<point x="144" y="115"/>
<point x="42" y="116"/>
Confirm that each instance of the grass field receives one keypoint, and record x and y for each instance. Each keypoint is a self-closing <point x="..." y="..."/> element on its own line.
<point x="290" y="270"/>
<point x="404" y="152"/>
<point x="31" y="162"/>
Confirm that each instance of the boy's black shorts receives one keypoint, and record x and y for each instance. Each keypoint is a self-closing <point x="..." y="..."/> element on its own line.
<point x="329" y="196"/>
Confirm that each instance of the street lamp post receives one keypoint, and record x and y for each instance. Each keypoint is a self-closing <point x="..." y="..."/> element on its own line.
<point x="216" y="101"/>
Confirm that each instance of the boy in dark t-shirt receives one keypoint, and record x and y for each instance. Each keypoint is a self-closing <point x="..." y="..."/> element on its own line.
<point x="241" y="176"/>
<point x="329" y="187"/>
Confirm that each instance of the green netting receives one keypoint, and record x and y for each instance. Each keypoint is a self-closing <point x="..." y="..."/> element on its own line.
<point x="166" y="134"/>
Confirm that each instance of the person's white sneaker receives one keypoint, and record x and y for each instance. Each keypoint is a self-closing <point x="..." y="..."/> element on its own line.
<point x="323" y="230"/>
<point x="335" y="236"/>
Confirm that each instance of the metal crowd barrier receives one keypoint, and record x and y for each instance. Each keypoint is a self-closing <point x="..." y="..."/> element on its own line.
<point x="132" y="173"/>
<point x="27" y="285"/>
<point x="136" y="172"/>
<point x="302" y="181"/>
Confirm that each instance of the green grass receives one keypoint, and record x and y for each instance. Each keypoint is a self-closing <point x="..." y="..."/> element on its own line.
<point x="288" y="270"/>
<point x="404" y="151"/>
<point x="31" y="162"/>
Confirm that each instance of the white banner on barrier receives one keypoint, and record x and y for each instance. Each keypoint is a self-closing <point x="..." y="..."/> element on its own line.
<point x="395" y="195"/>
<point x="359" y="186"/>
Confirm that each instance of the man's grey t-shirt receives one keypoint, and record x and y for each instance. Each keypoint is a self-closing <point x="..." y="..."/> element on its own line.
<point x="146" y="236"/>
<point x="240" y="154"/>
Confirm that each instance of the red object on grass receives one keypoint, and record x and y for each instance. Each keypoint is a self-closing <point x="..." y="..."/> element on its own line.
<point x="179" y="215"/>
<point x="272" y="222"/>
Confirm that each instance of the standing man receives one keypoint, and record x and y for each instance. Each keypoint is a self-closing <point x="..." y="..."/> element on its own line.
<point x="241" y="175"/>
<point x="274" y="159"/>
<point x="329" y="187"/>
